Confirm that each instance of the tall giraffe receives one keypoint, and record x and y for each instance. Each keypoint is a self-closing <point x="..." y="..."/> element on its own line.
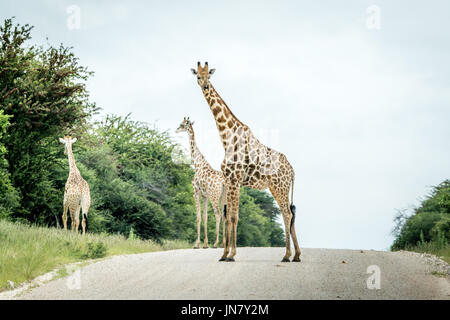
<point x="248" y="163"/>
<point x="208" y="184"/>
<point x="76" y="192"/>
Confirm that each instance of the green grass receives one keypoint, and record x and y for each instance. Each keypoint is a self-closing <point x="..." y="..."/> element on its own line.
<point x="439" y="250"/>
<point x="439" y="274"/>
<point x="29" y="251"/>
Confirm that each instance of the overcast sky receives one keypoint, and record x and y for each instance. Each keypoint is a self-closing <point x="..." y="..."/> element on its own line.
<point x="357" y="97"/>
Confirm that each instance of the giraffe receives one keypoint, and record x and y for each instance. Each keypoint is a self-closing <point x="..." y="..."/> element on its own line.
<point x="76" y="192"/>
<point x="208" y="184"/>
<point x="250" y="163"/>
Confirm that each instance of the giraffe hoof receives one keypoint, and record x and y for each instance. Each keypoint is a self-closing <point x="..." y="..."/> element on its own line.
<point x="285" y="260"/>
<point x="215" y="247"/>
<point x="205" y="247"/>
<point x="222" y="259"/>
<point x="296" y="260"/>
<point x="229" y="260"/>
<point x="196" y="248"/>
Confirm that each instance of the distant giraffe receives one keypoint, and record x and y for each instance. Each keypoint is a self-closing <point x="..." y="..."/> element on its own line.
<point x="76" y="192"/>
<point x="208" y="184"/>
<point x="250" y="163"/>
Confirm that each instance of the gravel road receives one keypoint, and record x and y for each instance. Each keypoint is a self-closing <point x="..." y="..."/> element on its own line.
<point x="256" y="274"/>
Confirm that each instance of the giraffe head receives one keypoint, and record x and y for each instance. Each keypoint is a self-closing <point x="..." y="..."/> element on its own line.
<point x="185" y="126"/>
<point x="67" y="140"/>
<point x="203" y="75"/>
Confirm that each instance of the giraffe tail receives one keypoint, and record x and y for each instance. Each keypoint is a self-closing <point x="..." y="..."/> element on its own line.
<point x="223" y="201"/>
<point x="292" y="206"/>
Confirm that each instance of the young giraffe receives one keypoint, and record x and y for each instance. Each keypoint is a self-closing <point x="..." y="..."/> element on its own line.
<point x="208" y="184"/>
<point x="250" y="163"/>
<point x="76" y="192"/>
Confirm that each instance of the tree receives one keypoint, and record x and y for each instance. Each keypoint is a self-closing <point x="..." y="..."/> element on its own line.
<point x="146" y="175"/>
<point x="270" y="210"/>
<point x="8" y="195"/>
<point x="43" y="92"/>
<point x="431" y="219"/>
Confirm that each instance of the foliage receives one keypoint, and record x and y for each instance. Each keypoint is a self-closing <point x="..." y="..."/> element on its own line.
<point x="43" y="92"/>
<point x="132" y="177"/>
<point x="8" y="195"/>
<point x="271" y="211"/>
<point x="95" y="250"/>
<point x="137" y="189"/>
<point x="429" y="226"/>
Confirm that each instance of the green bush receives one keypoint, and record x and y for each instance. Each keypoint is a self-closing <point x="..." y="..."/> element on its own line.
<point x="9" y="199"/>
<point x="431" y="220"/>
<point x="43" y="91"/>
<point x="441" y="230"/>
<point x="428" y="229"/>
<point x="95" y="250"/>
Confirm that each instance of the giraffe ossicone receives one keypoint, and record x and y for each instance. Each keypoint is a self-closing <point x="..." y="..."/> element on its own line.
<point x="250" y="163"/>
<point x="208" y="184"/>
<point x="76" y="192"/>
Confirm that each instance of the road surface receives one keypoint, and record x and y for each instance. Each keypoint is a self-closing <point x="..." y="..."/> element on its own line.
<point x="256" y="274"/>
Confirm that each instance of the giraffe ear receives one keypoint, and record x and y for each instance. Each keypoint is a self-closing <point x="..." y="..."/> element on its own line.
<point x="212" y="71"/>
<point x="62" y="140"/>
<point x="193" y="71"/>
<point x="74" y="140"/>
<point x="192" y="123"/>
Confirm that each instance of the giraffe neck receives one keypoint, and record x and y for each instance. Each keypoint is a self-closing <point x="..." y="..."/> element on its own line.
<point x="226" y="121"/>
<point x="196" y="155"/>
<point x="72" y="166"/>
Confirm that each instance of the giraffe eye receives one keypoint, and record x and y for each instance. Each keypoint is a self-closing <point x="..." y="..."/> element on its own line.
<point x="198" y="78"/>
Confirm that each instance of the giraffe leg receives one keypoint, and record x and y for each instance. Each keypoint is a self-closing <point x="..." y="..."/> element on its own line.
<point x="84" y="210"/>
<point x="77" y="218"/>
<point x="205" y="222"/>
<point x="85" y="204"/>
<point x="226" y="231"/>
<point x="218" y="215"/>
<point x="72" y="218"/>
<point x="199" y="219"/>
<point x="224" y="216"/>
<point x="226" y="241"/>
<point x="232" y="194"/>
<point x="293" y="233"/>
<point x="224" y="226"/>
<point x="282" y="199"/>
<point x="83" y="225"/>
<point x="287" y="222"/>
<point x="64" y="216"/>
<point x="296" y="246"/>
<point x="234" y="218"/>
<point x="234" y="222"/>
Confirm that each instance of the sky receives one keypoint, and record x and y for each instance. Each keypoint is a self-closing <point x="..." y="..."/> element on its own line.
<point x="356" y="94"/>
